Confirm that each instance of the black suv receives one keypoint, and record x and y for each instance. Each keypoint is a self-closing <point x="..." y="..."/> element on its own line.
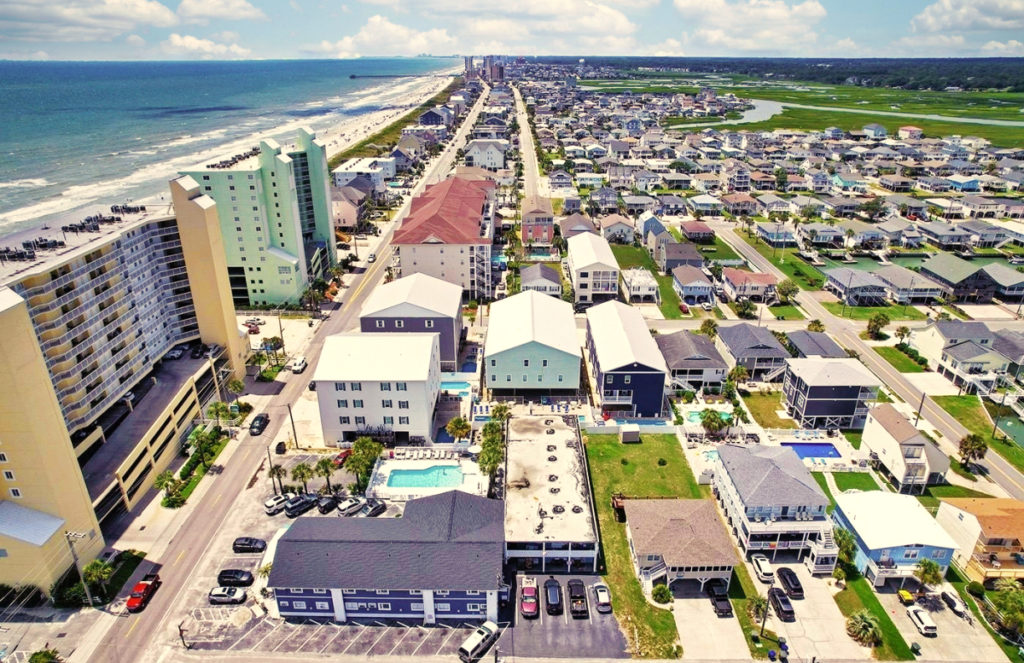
<point x="327" y="503"/>
<point x="781" y="605"/>
<point x="248" y="544"/>
<point x="259" y="424"/>
<point x="234" y="578"/>
<point x="553" y="596"/>
<point x="299" y="505"/>
<point x="790" y="583"/>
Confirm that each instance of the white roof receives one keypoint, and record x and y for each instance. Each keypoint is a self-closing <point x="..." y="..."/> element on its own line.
<point x="816" y="371"/>
<point x="377" y="356"/>
<point x="589" y="249"/>
<point x="28" y="525"/>
<point x="531" y="317"/>
<point x="888" y="520"/>
<point x="420" y="290"/>
<point x="621" y="337"/>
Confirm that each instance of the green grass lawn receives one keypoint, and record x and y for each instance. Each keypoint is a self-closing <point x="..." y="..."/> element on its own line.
<point x="866" y="312"/>
<point x="853" y="437"/>
<point x="722" y="251"/>
<point x="786" y="312"/>
<point x="633" y="469"/>
<point x="970" y="412"/>
<point x="741" y="589"/>
<point x="855" y="481"/>
<point x="201" y="469"/>
<point x="820" y="478"/>
<point x="637" y="256"/>
<point x="787" y="261"/>
<point x="899" y="361"/>
<point x="933" y="494"/>
<point x="763" y="407"/>
<point x="857" y="596"/>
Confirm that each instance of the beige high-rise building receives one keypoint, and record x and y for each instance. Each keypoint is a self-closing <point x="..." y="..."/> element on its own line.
<point x="95" y="406"/>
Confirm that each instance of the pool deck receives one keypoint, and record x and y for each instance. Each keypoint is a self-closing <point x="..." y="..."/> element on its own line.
<point x="422" y="458"/>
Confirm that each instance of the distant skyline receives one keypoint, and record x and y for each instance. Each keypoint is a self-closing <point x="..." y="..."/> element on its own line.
<point x="264" y="29"/>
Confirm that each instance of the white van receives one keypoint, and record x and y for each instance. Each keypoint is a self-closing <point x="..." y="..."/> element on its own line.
<point x="922" y="621"/>
<point x="763" y="568"/>
<point x="298" y="365"/>
<point x="478" y="642"/>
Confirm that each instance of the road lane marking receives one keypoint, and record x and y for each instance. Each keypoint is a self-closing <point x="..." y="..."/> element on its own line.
<point x="132" y="627"/>
<point x="178" y="558"/>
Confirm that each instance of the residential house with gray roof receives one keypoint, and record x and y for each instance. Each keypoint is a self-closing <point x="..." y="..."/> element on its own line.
<point x="901" y="451"/>
<point x="946" y="236"/>
<point x="441" y="561"/>
<point x="1010" y="344"/>
<point x="575" y="224"/>
<point x="828" y="392"/>
<point x="904" y="286"/>
<point x="542" y="278"/>
<point x="692" y="285"/>
<point x="674" y="254"/>
<point x="774" y="505"/>
<point x="962" y="351"/>
<point x="855" y="287"/>
<point x="966" y="280"/>
<point x="755" y="348"/>
<point x="693" y="361"/>
<point x="815" y="344"/>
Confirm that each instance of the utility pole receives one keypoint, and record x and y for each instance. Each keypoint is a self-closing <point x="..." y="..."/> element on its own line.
<point x="764" y="615"/>
<point x="292" y="419"/>
<point x="920" y="406"/>
<point x="270" y="459"/>
<point x="69" y="535"/>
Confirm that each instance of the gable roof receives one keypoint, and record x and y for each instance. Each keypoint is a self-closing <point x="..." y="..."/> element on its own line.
<point x="621" y="338"/>
<point x="449" y="212"/>
<point x="961" y="329"/>
<point x="688" y="274"/>
<point x="999" y="517"/>
<point x="531" y="317"/>
<point x="770" y="476"/>
<point x="829" y="372"/>
<point x="894" y="423"/>
<point x="588" y="249"/>
<point x="452" y="541"/>
<point x="420" y="290"/>
<point x="740" y="277"/>
<point x="1010" y="344"/>
<point x="683" y="532"/>
<point x="815" y="344"/>
<point x="950" y="268"/>
<point x="539" y="272"/>
<point x="747" y="340"/>
<point x="685" y="349"/>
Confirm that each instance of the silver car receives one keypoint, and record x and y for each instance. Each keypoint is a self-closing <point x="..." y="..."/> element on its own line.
<point x="350" y="506"/>
<point x="227" y="595"/>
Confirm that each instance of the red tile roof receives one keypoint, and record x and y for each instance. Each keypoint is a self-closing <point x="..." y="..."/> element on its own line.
<point x="449" y="212"/>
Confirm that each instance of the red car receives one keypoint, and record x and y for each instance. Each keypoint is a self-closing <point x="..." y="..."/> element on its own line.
<point x="142" y="592"/>
<point x="342" y="456"/>
<point x="529" y="600"/>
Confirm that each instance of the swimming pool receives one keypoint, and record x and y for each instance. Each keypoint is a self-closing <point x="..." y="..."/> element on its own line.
<point x="454" y="386"/>
<point x="639" y="422"/>
<point x="468" y="367"/>
<point x="813" y="449"/>
<point x="710" y="455"/>
<point x="693" y="416"/>
<point x="436" y="476"/>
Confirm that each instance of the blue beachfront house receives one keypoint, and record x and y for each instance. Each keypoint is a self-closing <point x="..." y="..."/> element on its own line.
<point x="893" y="533"/>
<point x="627" y="365"/>
<point x="441" y="561"/>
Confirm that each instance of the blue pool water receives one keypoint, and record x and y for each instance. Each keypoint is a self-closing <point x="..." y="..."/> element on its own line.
<point x="481" y="417"/>
<point x="693" y="416"/>
<point x="454" y="386"/>
<point x="642" y="422"/>
<point x="443" y="435"/>
<point x="710" y="455"/>
<point x="813" y="449"/>
<point x="469" y="367"/>
<point x="438" y="476"/>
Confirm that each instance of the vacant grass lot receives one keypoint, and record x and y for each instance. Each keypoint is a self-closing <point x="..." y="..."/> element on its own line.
<point x="633" y="470"/>
<point x="855" y="481"/>
<point x="866" y="312"/>
<point x="970" y="412"/>
<point x="788" y="262"/>
<point x="637" y="256"/>
<point x="899" y="361"/>
<point x="933" y="494"/>
<point x="763" y="407"/>
<point x="786" y="312"/>
<point x="722" y="251"/>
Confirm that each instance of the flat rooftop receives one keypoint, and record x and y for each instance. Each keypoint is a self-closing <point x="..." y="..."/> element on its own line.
<point x="547" y="495"/>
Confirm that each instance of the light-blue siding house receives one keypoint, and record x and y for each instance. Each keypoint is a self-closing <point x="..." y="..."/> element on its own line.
<point x="893" y="533"/>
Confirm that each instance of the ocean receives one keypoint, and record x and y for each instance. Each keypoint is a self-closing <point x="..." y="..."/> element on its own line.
<point x="85" y="135"/>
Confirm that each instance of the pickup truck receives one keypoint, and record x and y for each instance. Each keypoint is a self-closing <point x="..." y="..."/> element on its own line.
<point x="142" y="592"/>
<point x="577" y="599"/>
<point x="719" y="598"/>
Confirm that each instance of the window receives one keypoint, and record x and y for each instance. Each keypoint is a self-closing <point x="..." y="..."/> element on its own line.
<point x="356" y="386"/>
<point x="9" y="475"/>
<point x="360" y="421"/>
<point x="389" y="421"/>
<point x="3" y="458"/>
<point x="403" y="421"/>
<point x="342" y="403"/>
<point x="626" y="379"/>
<point x="494" y="362"/>
<point x="357" y="403"/>
<point x="526" y="363"/>
<point x="344" y="421"/>
<point x="319" y="591"/>
<point x="339" y="386"/>
<point x="401" y="386"/>
<point x="399" y="324"/>
<point x="322" y="605"/>
<point x="386" y="403"/>
<point x="348" y="591"/>
<point x="559" y="378"/>
<point x="441" y="592"/>
<point x="15" y="492"/>
<point x="299" y="605"/>
<point x="544" y="362"/>
<point x="385" y="386"/>
<point x="384" y="607"/>
<point x="608" y="379"/>
<point x="938" y="554"/>
<point x="283" y="604"/>
<point x="474" y="607"/>
<point x="429" y="324"/>
<point x="444" y="607"/>
<point x="508" y="378"/>
<point x="382" y="592"/>
<point x="380" y="324"/>
<point x="493" y="377"/>
<point x="472" y="592"/>
<point x="910" y="554"/>
<point x="417" y="607"/>
<point x="351" y="606"/>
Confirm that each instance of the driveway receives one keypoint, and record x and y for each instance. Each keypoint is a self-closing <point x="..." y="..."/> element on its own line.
<point x="932" y="383"/>
<point x="820" y="628"/>
<point x="957" y="640"/>
<point x="704" y="634"/>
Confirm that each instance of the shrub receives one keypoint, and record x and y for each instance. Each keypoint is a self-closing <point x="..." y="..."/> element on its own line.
<point x="976" y="589"/>
<point x="624" y="461"/>
<point x="662" y="462"/>
<point x="661" y="594"/>
<point x="172" y="501"/>
<point x="689" y="396"/>
<point x="73" y="595"/>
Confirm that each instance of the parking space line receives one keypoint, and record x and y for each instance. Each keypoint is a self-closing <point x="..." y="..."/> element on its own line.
<point x="312" y="635"/>
<point x="380" y="637"/>
<point x="362" y="628"/>
<point x="276" y="626"/>
<point x="401" y="639"/>
<point x="178" y="558"/>
<point x="331" y="640"/>
<point x="454" y="631"/>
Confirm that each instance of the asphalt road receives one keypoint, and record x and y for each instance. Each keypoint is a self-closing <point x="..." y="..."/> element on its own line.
<point x="531" y="174"/>
<point x="133" y="638"/>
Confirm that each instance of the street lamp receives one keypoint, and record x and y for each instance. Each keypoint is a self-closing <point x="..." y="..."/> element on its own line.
<point x="764" y="615"/>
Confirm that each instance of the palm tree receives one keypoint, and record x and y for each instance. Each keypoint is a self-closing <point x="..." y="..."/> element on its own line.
<point x="459" y="428"/>
<point x="236" y="387"/>
<point x="264" y="571"/>
<point x="325" y="468"/>
<point x="218" y="410"/>
<point x="277" y="472"/>
<point x="849" y="236"/>
<point x="928" y="573"/>
<point x="166" y="482"/>
<point x="739" y="414"/>
<point x="972" y="448"/>
<point x="203" y="446"/>
<point x="711" y="421"/>
<point x="757" y="606"/>
<point x="739" y="374"/>
<point x="96" y="573"/>
<point x="302" y="472"/>
<point x="846" y="544"/>
<point x="708" y="328"/>
<point x="501" y="412"/>
<point x="863" y="627"/>
<point x="816" y="326"/>
<point x="1007" y="585"/>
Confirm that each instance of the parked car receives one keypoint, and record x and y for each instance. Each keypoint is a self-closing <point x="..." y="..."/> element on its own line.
<point x="234" y="578"/>
<point x="781" y="604"/>
<point x="719" y="598"/>
<point x="248" y="544"/>
<point x="259" y="424"/>
<point x="905" y="597"/>
<point x="577" y="599"/>
<point x="529" y="603"/>
<point x="297" y="365"/>
<point x="197" y="352"/>
<point x="350" y="506"/>
<point x="342" y="456"/>
<point x="280" y="447"/>
<point x="706" y="306"/>
<point x="763" y="568"/>
<point x="175" y="353"/>
<point x="922" y="621"/>
<point x="372" y="258"/>
<point x="297" y="506"/>
<point x="253" y="329"/>
<point x="553" y="596"/>
<point x="478" y="642"/>
<point x="327" y="503"/>
<point x="954" y="603"/>
<point x="229" y="595"/>
<point x="275" y="505"/>
<point x="372" y="508"/>
<point x="142" y="592"/>
<point x="790" y="583"/>
<point x="602" y="597"/>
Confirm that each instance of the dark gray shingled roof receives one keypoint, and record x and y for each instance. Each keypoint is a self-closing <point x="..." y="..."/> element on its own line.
<point x="770" y="476"/>
<point x="684" y="350"/>
<point x="746" y="340"/>
<point x="452" y="541"/>
<point x="815" y="344"/>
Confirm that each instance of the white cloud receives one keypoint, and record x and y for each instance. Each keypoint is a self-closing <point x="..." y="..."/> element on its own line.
<point x="930" y="42"/>
<point x="189" y="46"/>
<point x="753" y="26"/>
<point x="203" y="10"/>
<point x="970" y="15"/>
<point x="380" y="36"/>
<point x="79" y="20"/>
<point x="1004" y="48"/>
<point x="135" y="40"/>
<point x="226" y="36"/>
<point x="670" y="48"/>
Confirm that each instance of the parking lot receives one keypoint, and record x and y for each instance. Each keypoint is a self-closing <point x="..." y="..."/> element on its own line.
<point x="957" y="639"/>
<point x="703" y="634"/>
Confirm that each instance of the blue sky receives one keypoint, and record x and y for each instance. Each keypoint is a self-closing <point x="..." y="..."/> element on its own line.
<point x="232" y="29"/>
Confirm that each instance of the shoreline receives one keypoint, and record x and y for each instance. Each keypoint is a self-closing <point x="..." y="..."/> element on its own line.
<point x="337" y="137"/>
